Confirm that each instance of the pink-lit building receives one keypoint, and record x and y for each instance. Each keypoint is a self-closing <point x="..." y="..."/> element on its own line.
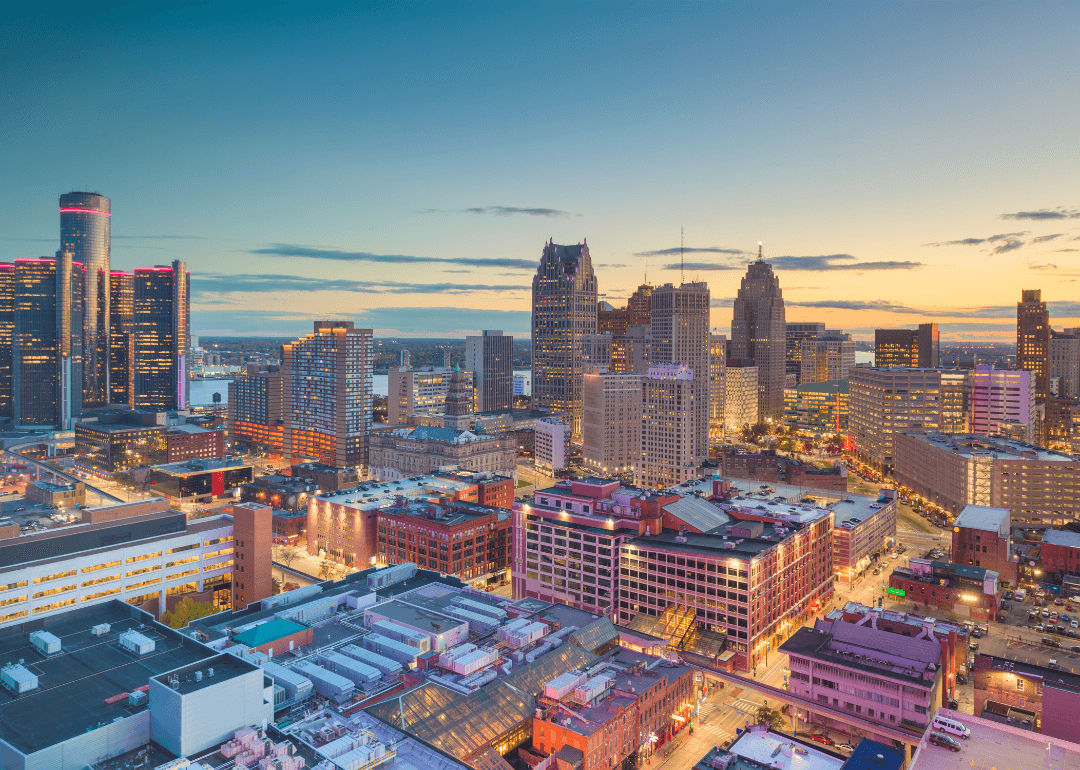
<point x="864" y="669"/>
<point x="1000" y="395"/>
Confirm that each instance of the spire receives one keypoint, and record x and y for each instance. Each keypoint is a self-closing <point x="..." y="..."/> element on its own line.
<point x="682" y="261"/>
<point x="760" y="251"/>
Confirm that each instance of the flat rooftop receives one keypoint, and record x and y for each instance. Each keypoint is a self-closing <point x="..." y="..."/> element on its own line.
<point x="73" y="685"/>
<point x="796" y="503"/>
<point x="455" y="513"/>
<point x="1052" y="677"/>
<point x="994" y="745"/>
<point x="984" y="518"/>
<point x="414" y="617"/>
<point x="379" y="494"/>
<point x="1063" y="537"/>
<point x="782" y="752"/>
<point x="892" y="655"/>
<point x="197" y="465"/>
<point x="198" y="675"/>
<point x="977" y="444"/>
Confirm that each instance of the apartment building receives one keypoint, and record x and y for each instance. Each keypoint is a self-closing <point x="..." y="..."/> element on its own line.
<point x="953" y="471"/>
<point x="253" y="413"/>
<point x="611" y="422"/>
<point x="551" y="444"/>
<point x="413" y="391"/>
<point x="860" y="669"/>
<point x="1001" y="396"/>
<point x="670" y="439"/>
<point x="740" y="396"/>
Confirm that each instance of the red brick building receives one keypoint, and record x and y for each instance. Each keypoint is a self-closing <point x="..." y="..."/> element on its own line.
<point x="1059" y="553"/>
<point x="981" y="538"/>
<point x="183" y="442"/>
<point x="252" y="557"/>
<point x="467" y="540"/>
<point x="1049" y="697"/>
<point x="274" y="637"/>
<point x="956" y="588"/>
<point x="769" y="466"/>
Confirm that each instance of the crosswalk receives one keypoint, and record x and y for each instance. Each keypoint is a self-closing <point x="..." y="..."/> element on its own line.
<point x="745" y="705"/>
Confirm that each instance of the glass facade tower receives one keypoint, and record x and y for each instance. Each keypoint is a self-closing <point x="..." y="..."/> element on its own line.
<point x="162" y="330"/>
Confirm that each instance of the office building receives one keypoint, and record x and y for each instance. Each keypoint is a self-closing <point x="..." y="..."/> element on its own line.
<point x="85" y="234"/>
<point x="490" y="358"/>
<point x="1064" y="364"/>
<point x="996" y="741"/>
<point x="794" y="335"/>
<point x="47" y="357"/>
<point x="818" y="408"/>
<point x="1038" y="698"/>
<point x="162" y="330"/>
<point x="717" y="388"/>
<point x="860" y="669"/>
<point x="611" y="422"/>
<point x="253" y="416"/>
<point x="326" y="394"/>
<point x="119" y="682"/>
<point x="198" y="479"/>
<point x="121" y="337"/>
<point x="827" y="357"/>
<point x="758" y="334"/>
<point x="884" y="402"/>
<point x="954" y="471"/>
<point x="1001" y="396"/>
<point x="629" y="352"/>
<point x="1033" y="340"/>
<point x="671" y="446"/>
<point x="282" y="493"/>
<point x="863" y="529"/>
<point x="981" y="538"/>
<point x="958" y="589"/>
<point x="253" y="534"/>
<point x="918" y="348"/>
<point x="416" y="391"/>
<point x="7" y="336"/>
<point x="563" y="312"/>
<point x="415" y="531"/>
<point x="680" y="338"/>
<point x="741" y="399"/>
<point x="551" y="444"/>
<point x="404" y="452"/>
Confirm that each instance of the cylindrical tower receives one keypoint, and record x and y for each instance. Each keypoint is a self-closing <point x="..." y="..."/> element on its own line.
<point x="84" y="232"/>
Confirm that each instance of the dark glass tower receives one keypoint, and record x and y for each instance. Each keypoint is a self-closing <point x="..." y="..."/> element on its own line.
<point x="121" y="336"/>
<point x="1033" y="340"/>
<point x="563" y="312"/>
<point x="7" y="334"/>
<point x="759" y="333"/>
<point x="84" y="232"/>
<point x="162" y="332"/>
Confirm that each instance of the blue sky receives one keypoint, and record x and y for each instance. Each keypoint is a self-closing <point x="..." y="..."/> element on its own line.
<point x="402" y="164"/>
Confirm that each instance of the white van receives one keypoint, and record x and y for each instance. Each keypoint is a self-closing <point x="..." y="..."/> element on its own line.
<point x="1020" y="595"/>
<point x="951" y="726"/>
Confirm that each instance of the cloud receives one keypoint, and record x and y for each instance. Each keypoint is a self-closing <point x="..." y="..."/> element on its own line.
<point x="1006" y="246"/>
<point x="503" y="211"/>
<point x="216" y="283"/>
<point x="1044" y="214"/>
<point x="980" y="241"/>
<point x="819" y="263"/>
<point x="1044" y="238"/>
<point x="673" y="250"/>
<point x="336" y="255"/>
<point x="722" y="302"/>
<point x="701" y="266"/>
<point x="858" y="304"/>
<point x="1048" y="266"/>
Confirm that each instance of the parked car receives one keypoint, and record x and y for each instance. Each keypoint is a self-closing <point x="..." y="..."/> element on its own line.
<point x="940" y="739"/>
<point x="973" y="645"/>
<point x="846" y="747"/>
<point x="1049" y="642"/>
<point x="1008" y="594"/>
<point x="1075" y="648"/>
<point x="822" y="739"/>
<point x="1046" y="613"/>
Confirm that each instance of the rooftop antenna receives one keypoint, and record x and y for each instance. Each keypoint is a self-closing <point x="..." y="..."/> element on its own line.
<point x="646" y="269"/>
<point x="760" y="251"/>
<point x="682" y="261"/>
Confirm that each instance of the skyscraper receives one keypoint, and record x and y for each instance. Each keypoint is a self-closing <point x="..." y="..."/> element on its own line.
<point x="759" y="333"/>
<point x="794" y="334"/>
<point x="490" y="358"/>
<point x="84" y="232"/>
<point x="717" y="387"/>
<point x="1033" y="340"/>
<point x="121" y="337"/>
<point x="920" y="347"/>
<point x="47" y="341"/>
<point x="326" y="394"/>
<point x="669" y="427"/>
<point x="1064" y="364"/>
<point x="162" y="330"/>
<point x="680" y="336"/>
<point x="7" y="334"/>
<point x="828" y="357"/>
<point x="563" y="312"/>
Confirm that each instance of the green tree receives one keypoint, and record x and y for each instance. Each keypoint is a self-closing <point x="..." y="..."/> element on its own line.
<point x="770" y="717"/>
<point x="187" y="610"/>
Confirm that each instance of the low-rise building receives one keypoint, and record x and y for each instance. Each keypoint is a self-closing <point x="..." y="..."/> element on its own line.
<point x="863" y="528"/>
<point x="819" y="408"/>
<point x="767" y="465"/>
<point x="289" y="526"/>
<point x="1059" y="553"/>
<point x="551" y="444"/>
<point x="326" y="478"/>
<point x="759" y="748"/>
<point x="981" y="538"/>
<point x="288" y="493"/>
<point x="187" y="441"/>
<point x="1039" y="698"/>
<point x="406" y="452"/>
<point x="994" y="743"/>
<point x="198" y="479"/>
<point x="56" y="495"/>
<point x="956" y="588"/>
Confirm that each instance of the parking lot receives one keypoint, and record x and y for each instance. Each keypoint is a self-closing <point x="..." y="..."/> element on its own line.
<point x="32" y="517"/>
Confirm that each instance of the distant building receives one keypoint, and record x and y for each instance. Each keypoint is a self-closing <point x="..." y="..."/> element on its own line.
<point x="1064" y="364"/>
<point x="670" y="435"/>
<point x="458" y="409"/>
<point x="162" y="336"/>
<point x="122" y="337"/>
<point x="918" y="348"/>
<point x="1001" y="395"/>
<point x="828" y="357"/>
<point x="795" y="333"/>
<point x="412" y="391"/>
<point x="758" y="333"/>
<point x="820" y="407"/>
<point x="254" y="416"/>
<point x="490" y="357"/>
<point x="1033" y="340"/>
<point x="717" y="387"/>
<point x="611" y="422"/>
<point x="767" y="465"/>
<point x="405" y="452"/>
<point x="740" y="396"/>
<point x="551" y="448"/>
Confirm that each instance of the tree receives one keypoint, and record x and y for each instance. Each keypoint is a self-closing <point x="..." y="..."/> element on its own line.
<point x="327" y="569"/>
<point x="187" y="610"/>
<point x="288" y="554"/>
<point x="770" y="717"/>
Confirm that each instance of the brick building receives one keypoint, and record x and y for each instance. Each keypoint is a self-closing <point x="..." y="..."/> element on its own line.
<point x="183" y="442"/>
<point x="252" y="560"/>
<point x="955" y="588"/>
<point x="1011" y="689"/>
<point x="981" y="538"/>
<point x="1059" y="553"/>
<point x="769" y="466"/>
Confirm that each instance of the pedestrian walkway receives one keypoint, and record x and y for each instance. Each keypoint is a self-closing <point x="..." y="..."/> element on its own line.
<point x="745" y="706"/>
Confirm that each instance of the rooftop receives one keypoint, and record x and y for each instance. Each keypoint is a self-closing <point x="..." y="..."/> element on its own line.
<point x="984" y="518"/>
<point x="1052" y="677"/>
<point x="73" y="685"/>
<point x="453" y="513"/>
<point x="871" y="755"/>
<point x="782" y="752"/>
<point x="198" y="465"/>
<point x="379" y="494"/>
<point x="1064" y="537"/>
<point x="994" y="745"/>
<point x="204" y="673"/>
<point x="977" y="444"/>
<point x="270" y="631"/>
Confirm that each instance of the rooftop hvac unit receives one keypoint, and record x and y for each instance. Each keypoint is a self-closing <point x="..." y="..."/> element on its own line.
<point x="137" y="698"/>
<point x="100" y="629"/>
<point x="133" y="641"/>
<point x="45" y="643"/>
<point x="18" y="678"/>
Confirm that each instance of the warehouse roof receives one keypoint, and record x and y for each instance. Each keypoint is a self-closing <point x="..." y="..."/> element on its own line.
<point x="270" y="631"/>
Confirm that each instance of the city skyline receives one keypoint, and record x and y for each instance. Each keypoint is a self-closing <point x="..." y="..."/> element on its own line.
<point x="883" y="156"/>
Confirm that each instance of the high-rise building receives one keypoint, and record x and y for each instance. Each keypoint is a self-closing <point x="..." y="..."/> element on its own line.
<point x="7" y="335"/>
<point x="563" y="312"/>
<point x="671" y="450"/>
<point x="121" y="337"/>
<point x="639" y="306"/>
<point x="162" y="329"/>
<point x="1000" y="395"/>
<point x="680" y="337"/>
<point x="828" y="357"/>
<point x="1064" y="364"/>
<point x="85" y="232"/>
<point x="758" y="333"/>
<point x="47" y="350"/>
<point x="326" y="394"/>
<point x="611" y="422"/>
<point x="551" y="444"/>
<point x="717" y="369"/>
<point x="1033" y="340"/>
<point x="490" y="358"/>
<point x="919" y="347"/>
<point x="416" y="391"/>
<point x="794" y="335"/>
<point x="253" y="414"/>
<point x="740" y="395"/>
<point x="458" y="410"/>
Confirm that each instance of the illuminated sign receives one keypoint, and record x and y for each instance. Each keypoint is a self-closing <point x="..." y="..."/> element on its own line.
<point x="896" y="592"/>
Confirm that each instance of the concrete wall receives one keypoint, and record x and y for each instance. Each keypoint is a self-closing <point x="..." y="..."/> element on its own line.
<point x="76" y="753"/>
